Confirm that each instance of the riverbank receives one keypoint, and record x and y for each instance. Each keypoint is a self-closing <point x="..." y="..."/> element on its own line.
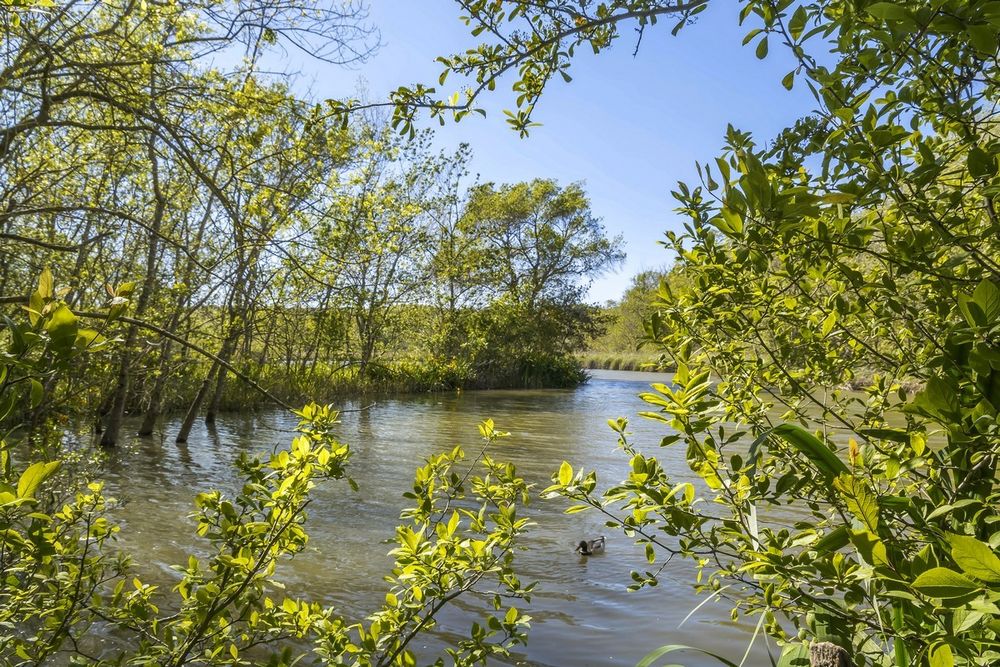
<point x="620" y="361"/>
<point x="300" y="383"/>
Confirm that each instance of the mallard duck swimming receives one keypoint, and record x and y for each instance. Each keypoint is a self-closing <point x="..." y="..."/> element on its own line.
<point x="590" y="547"/>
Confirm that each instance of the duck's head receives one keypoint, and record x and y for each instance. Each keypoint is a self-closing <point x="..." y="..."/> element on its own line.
<point x="583" y="547"/>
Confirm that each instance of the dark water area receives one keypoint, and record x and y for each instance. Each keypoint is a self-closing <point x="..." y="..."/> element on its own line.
<point x="582" y="612"/>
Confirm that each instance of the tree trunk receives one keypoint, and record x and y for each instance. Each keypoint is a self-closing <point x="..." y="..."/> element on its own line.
<point x="156" y="395"/>
<point x="116" y="416"/>
<point x="226" y="354"/>
<point x="310" y="354"/>
<point x="192" y="413"/>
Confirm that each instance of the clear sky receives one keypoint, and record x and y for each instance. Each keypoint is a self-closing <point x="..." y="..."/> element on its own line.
<point x="630" y="128"/>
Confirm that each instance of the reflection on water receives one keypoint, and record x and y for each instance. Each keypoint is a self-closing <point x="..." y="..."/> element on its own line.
<point x="583" y="614"/>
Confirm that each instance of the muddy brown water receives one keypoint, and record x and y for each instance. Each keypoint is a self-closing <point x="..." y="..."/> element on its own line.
<point x="583" y="614"/>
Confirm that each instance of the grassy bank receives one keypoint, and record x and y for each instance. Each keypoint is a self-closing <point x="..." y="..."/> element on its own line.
<point x="619" y="361"/>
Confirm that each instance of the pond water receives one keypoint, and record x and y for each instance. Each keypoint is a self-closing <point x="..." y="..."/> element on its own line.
<point x="583" y="614"/>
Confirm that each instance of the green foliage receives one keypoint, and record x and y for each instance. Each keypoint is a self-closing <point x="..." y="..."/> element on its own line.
<point x="447" y="550"/>
<point x="243" y="221"/>
<point x="859" y="248"/>
<point x="52" y="537"/>
<point x="624" y="330"/>
<point x="63" y="576"/>
<point x="533" y="41"/>
<point x="542" y="240"/>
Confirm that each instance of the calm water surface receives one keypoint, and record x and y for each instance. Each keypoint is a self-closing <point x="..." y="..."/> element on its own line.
<point x="582" y="613"/>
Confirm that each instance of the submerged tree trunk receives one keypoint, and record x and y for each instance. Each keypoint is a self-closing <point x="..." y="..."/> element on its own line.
<point x="182" y="303"/>
<point x="226" y="355"/>
<point x="192" y="413"/>
<point x="156" y="394"/>
<point x="116" y="416"/>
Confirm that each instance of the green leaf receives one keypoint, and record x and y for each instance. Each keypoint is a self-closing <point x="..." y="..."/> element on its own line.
<point x="870" y="547"/>
<point x="821" y="456"/>
<point x="833" y="540"/>
<point x="45" y="289"/>
<point x="860" y="502"/>
<point x="829" y="322"/>
<point x="733" y="221"/>
<point x="964" y="619"/>
<point x="941" y="656"/>
<point x="987" y="297"/>
<point x="762" y="48"/>
<point x="89" y="338"/>
<point x="36" y="393"/>
<point x="794" y="655"/>
<point x="983" y="38"/>
<point x="788" y="80"/>
<point x="35" y="474"/>
<point x="565" y="473"/>
<point x="886" y="434"/>
<point x="797" y="23"/>
<point x="889" y="11"/>
<point x="941" y="582"/>
<point x="981" y="164"/>
<point x="653" y="656"/>
<point x="938" y="399"/>
<point x="35" y="305"/>
<point x="62" y="326"/>
<point x="975" y="558"/>
<point x="971" y="311"/>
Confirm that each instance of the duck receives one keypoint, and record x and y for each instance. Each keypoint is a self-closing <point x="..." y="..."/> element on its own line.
<point x="591" y="547"/>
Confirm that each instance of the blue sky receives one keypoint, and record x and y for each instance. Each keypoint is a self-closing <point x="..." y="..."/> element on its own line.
<point x="630" y="128"/>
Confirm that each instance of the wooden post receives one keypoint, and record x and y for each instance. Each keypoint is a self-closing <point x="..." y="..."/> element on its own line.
<point x="825" y="654"/>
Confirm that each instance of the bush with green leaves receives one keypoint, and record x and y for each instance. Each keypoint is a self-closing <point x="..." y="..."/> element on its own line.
<point x="859" y="248"/>
<point x="52" y="537"/>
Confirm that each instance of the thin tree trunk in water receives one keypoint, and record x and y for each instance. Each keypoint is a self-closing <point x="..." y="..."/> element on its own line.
<point x="117" y="415"/>
<point x="183" y="302"/>
<point x="262" y="357"/>
<point x="103" y="409"/>
<point x="192" y="413"/>
<point x="213" y="405"/>
<point x="311" y="353"/>
<point x="156" y="395"/>
<point x="225" y="354"/>
<point x="113" y="426"/>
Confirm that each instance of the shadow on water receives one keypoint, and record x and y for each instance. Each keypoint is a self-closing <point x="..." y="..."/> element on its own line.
<point x="582" y="613"/>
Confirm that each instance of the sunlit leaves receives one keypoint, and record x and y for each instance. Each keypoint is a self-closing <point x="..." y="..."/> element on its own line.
<point x="856" y="249"/>
<point x="33" y="476"/>
<point x="942" y="582"/>
<point x="975" y="558"/>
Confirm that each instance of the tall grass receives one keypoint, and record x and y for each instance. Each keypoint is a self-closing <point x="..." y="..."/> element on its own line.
<point x="621" y="361"/>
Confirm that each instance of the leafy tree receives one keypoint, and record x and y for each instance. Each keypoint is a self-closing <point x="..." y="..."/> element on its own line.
<point x="625" y="330"/>
<point x="379" y="225"/>
<point x="543" y="240"/>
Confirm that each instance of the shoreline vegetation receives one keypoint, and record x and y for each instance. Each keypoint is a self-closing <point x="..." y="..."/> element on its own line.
<point x="625" y="361"/>
<point x="328" y="384"/>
